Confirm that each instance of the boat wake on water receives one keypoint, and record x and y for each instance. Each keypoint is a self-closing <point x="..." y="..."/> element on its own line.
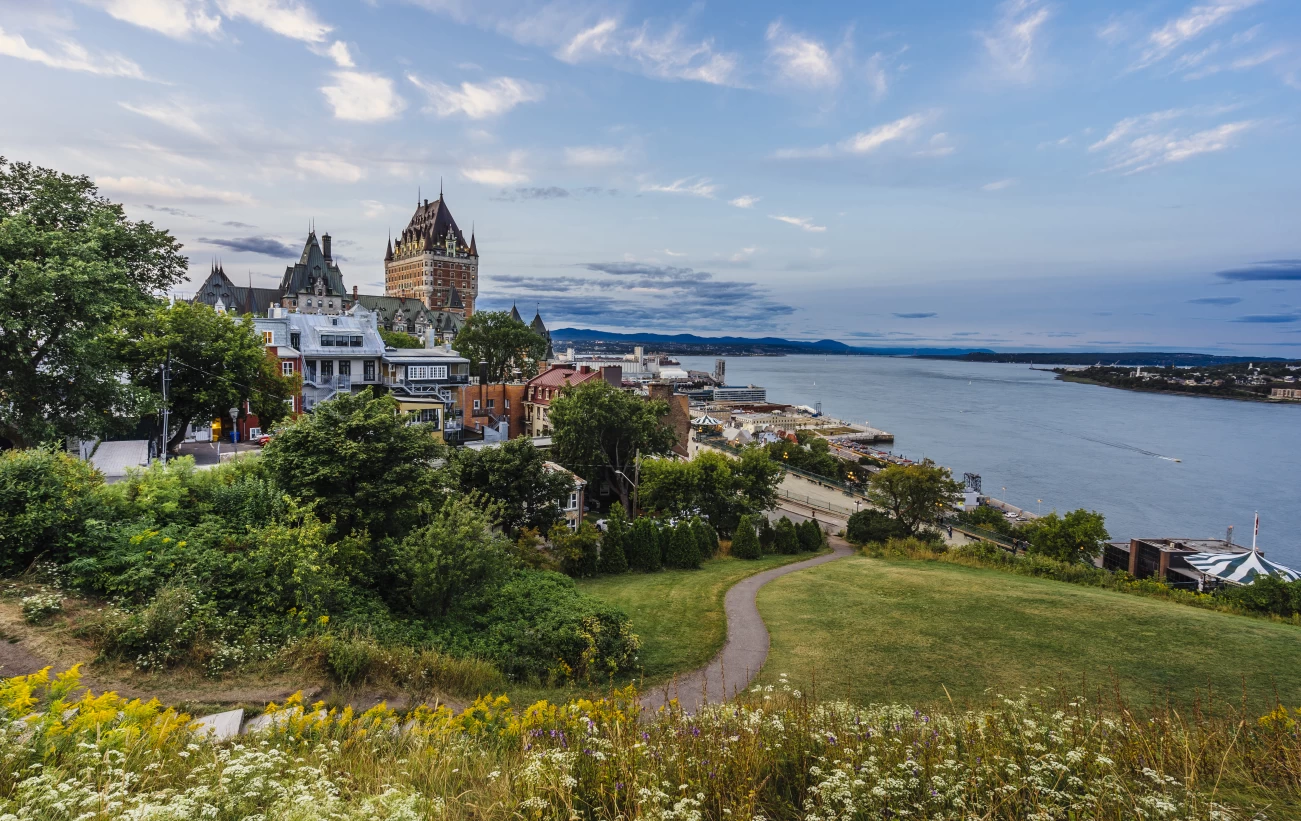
<point x="1116" y="445"/>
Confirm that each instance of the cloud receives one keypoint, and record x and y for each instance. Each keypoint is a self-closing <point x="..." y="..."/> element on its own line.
<point x="666" y="55"/>
<point x="266" y="246"/>
<point x="1011" y="44"/>
<point x="595" y="156"/>
<point x="1138" y="144"/>
<point x="744" y="201"/>
<point x="1216" y="300"/>
<point x="173" y="115"/>
<point x="72" y="56"/>
<point x="744" y="254"/>
<point x="338" y="52"/>
<point x="329" y="166"/>
<point x="287" y="18"/>
<point x="864" y="142"/>
<point x="674" y="253"/>
<point x="917" y="315"/>
<point x="553" y="193"/>
<point x="800" y="60"/>
<point x="178" y="19"/>
<point x="937" y="146"/>
<point x="1268" y="319"/>
<point x="693" y="186"/>
<point x="800" y="222"/>
<point x="494" y="176"/>
<point x="175" y="212"/>
<point x="1179" y="31"/>
<point x="229" y="223"/>
<point x="477" y="101"/>
<point x="998" y="185"/>
<point x="171" y="189"/>
<point x="372" y="208"/>
<point x="363" y="97"/>
<point x="1275" y="270"/>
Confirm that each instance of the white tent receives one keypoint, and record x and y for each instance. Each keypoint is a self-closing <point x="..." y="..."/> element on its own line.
<point x="706" y="421"/>
<point x="1239" y="568"/>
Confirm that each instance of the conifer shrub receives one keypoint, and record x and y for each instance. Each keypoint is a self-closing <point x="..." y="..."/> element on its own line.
<point x="706" y="538"/>
<point x="613" y="557"/>
<point x="767" y="534"/>
<point x="682" y="551"/>
<point x="642" y="546"/>
<point x="811" y="536"/>
<point x="745" y="542"/>
<point x="787" y="541"/>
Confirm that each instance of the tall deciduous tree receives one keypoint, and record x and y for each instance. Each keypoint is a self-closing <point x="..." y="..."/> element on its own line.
<point x="598" y="430"/>
<point x="506" y="345"/>
<point x="1076" y="537"/>
<point x="72" y="268"/>
<point x="918" y="495"/>
<point x="356" y="458"/>
<point x="217" y="362"/>
<point x="515" y="473"/>
<point x="712" y="484"/>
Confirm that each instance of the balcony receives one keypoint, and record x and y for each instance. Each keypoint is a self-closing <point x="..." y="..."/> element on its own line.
<point x="337" y="382"/>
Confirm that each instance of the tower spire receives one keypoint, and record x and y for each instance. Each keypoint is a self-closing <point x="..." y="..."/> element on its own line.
<point x="440" y="187"/>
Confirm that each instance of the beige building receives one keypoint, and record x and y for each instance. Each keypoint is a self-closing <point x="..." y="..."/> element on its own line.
<point x="432" y="261"/>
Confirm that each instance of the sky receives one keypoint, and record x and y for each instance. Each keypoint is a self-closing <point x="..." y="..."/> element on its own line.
<point x="1020" y="175"/>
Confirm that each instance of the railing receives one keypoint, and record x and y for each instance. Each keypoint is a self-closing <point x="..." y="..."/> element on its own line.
<point x="816" y="504"/>
<point x="337" y="382"/>
<point x="983" y="535"/>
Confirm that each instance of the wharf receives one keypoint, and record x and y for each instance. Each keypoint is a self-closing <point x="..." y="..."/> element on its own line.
<point x="862" y="435"/>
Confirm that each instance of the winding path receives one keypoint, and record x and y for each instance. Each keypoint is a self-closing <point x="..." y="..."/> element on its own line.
<point x="746" y="649"/>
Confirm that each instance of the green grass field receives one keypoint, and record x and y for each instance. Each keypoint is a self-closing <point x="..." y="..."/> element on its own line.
<point x="679" y="613"/>
<point x="896" y="630"/>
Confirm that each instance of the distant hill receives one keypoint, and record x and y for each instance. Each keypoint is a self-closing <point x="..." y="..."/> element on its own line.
<point x="691" y="344"/>
<point x="1129" y="359"/>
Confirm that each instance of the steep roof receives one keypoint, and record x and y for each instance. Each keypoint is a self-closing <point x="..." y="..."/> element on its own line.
<point x="432" y="222"/>
<point x="560" y="375"/>
<point x="386" y="307"/>
<point x="311" y="266"/>
<point x="239" y="299"/>
<point x="454" y="300"/>
<point x="514" y="314"/>
<point x="474" y="249"/>
<point x="538" y="326"/>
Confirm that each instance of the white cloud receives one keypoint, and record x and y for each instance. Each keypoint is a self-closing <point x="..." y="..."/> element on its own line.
<point x="1179" y="31"/>
<point x="595" y="156"/>
<point x="330" y="166"/>
<point x="997" y="185"/>
<point x="937" y="146"/>
<point x="1011" y="43"/>
<point x="338" y="52"/>
<point x="694" y="186"/>
<point x="674" y="253"/>
<point x="745" y="201"/>
<point x="173" y="115"/>
<point x="288" y="18"/>
<point x="800" y="222"/>
<point x="171" y="190"/>
<point x="174" y="18"/>
<point x="1131" y="125"/>
<point x="800" y="60"/>
<point x="667" y="55"/>
<point x="868" y="141"/>
<point x="72" y="56"/>
<point x="494" y="176"/>
<point x="363" y="97"/>
<point x="477" y="100"/>
<point x="743" y="254"/>
<point x="1138" y="144"/>
<point x="372" y="208"/>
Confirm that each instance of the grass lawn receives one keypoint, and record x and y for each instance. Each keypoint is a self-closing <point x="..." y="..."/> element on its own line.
<point x="679" y="613"/>
<point x="877" y="630"/>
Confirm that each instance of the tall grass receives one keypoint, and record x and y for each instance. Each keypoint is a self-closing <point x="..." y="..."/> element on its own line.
<point x="778" y="755"/>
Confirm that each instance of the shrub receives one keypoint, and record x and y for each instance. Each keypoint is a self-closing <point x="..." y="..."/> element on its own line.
<point x="787" y="542"/>
<point x="643" y="545"/>
<point x="682" y="551"/>
<point x="613" y="558"/>
<point x="810" y="535"/>
<point x="767" y="534"/>
<point x="873" y="526"/>
<point x="706" y="538"/>
<point x="745" y="542"/>
<point x="172" y="628"/>
<point x="452" y="558"/>
<point x="46" y="501"/>
<point x="577" y="550"/>
<point x="40" y="606"/>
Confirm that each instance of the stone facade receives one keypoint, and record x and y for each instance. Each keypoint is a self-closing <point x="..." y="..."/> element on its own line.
<point x="432" y="261"/>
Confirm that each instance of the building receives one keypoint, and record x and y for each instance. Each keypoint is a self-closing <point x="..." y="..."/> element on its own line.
<point x="339" y="353"/>
<point x="314" y="284"/>
<point x="279" y="339"/>
<point x="739" y="393"/>
<point x="1285" y="393"/>
<point x="1165" y="559"/>
<point x="432" y="262"/>
<point x="223" y="294"/>
<point x="411" y="316"/>
<point x="488" y="411"/>
<point x="541" y="389"/>
<point x="572" y="505"/>
<point x="423" y="381"/>
<point x="679" y="416"/>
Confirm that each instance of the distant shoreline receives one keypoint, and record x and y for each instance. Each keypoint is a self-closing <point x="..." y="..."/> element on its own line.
<point x="1066" y="377"/>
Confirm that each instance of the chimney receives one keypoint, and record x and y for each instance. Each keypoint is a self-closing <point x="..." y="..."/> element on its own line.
<point x="354" y="293"/>
<point x="325" y="246"/>
<point x="584" y="368"/>
<point x="483" y="373"/>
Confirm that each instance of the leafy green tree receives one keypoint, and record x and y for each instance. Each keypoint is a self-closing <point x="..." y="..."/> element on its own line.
<point x="681" y="551"/>
<point x="989" y="518"/>
<point x="598" y="430"/>
<point x="613" y="557"/>
<point x="218" y="362"/>
<point x="357" y="459"/>
<point x="745" y="542"/>
<point x="1078" y="536"/>
<point x="787" y="541"/>
<point x="712" y="484"/>
<point x="400" y="339"/>
<point x="72" y="269"/>
<point x="706" y="537"/>
<point x="578" y="550"/>
<point x="515" y="474"/>
<point x="452" y="558"/>
<point x="47" y="501"/>
<point x="810" y="535"/>
<point x="767" y="534"/>
<point x="643" y="545"/>
<point x="506" y="345"/>
<point x="873" y="526"/>
<point x="917" y="495"/>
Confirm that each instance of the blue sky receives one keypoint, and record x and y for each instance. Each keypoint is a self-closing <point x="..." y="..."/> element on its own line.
<point x="1017" y="175"/>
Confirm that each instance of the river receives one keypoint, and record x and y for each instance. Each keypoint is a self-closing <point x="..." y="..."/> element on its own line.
<point x="1068" y="444"/>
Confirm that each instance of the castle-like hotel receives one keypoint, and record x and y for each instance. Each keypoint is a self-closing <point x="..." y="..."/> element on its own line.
<point x="431" y="279"/>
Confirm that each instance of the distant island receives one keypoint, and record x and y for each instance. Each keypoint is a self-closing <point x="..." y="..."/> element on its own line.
<point x="1253" y="381"/>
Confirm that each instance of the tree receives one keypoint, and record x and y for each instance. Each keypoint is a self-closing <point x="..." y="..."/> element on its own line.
<point x="578" y="550"/>
<point x="873" y="526"/>
<point x="452" y="558"/>
<point x="810" y="535"/>
<point x="46" y="500"/>
<point x="613" y="557"/>
<point x="706" y="538"/>
<point x="787" y="541"/>
<point x="515" y="473"/>
<point x="356" y="458"/>
<point x="917" y="495"/>
<point x="72" y="269"/>
<point x="745" y="542"/>
<point x="714" y="485"/>
<point x="643" y="545"/>
<point x="682" y="551"/>
<point x="505" y="345"/>
<point x="1076" y="537"/>
<point x="218" y="362"/>
<point x="598" y="430"/>
<point x="400" y="339"/>
<point x="767" y="535"/>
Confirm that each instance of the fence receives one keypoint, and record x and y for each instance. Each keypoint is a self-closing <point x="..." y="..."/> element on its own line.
<point x="816" y="504"/>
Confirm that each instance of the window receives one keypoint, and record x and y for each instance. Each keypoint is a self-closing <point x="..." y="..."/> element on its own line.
<point x="427" y="416"/>
<point x="573" y="501"/>
<point x="345" y="367"/>
<point x="492" y="404"/>
<point x="267" y="337"/>
<point x="295" y="340"/>
<point x="327" y="368"/>
<point x="476" y="404"/>
<point x="368" y="370"/>
<point x="507" y="401"/>
<point x="427" y="372"/>
<point x="287" y="367"/>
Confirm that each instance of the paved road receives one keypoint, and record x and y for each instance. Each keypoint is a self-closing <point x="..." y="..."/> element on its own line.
<point x="747" y="643"/>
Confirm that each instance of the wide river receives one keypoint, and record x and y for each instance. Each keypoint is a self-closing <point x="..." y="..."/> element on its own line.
<point x="1068" y="444"/>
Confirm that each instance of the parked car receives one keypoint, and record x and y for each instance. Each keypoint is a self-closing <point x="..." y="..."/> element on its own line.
<point x="262" y="440"/>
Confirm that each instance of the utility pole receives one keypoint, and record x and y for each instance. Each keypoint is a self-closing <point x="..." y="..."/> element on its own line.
<point x="636" y="482"/>
<point x="167" y="379"/>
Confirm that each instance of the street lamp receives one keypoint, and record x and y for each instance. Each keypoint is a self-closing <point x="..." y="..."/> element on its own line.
<point x="234" y="435"/>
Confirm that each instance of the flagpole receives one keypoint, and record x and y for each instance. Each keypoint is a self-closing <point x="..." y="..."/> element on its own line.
<point x="1254" y="531"/>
